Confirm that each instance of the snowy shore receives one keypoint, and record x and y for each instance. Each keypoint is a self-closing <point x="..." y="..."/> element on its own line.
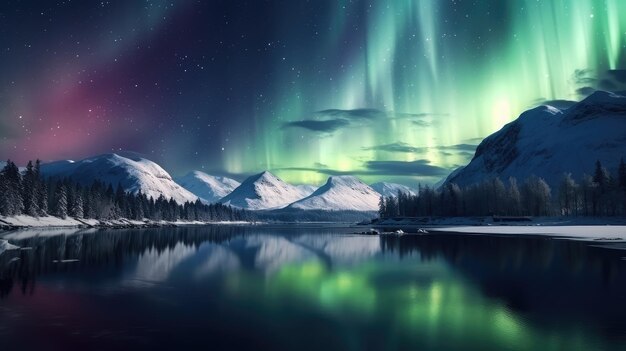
<point x="581" y="228"/>
<point x="580" y="232"/>
<point x="19" y="222"/>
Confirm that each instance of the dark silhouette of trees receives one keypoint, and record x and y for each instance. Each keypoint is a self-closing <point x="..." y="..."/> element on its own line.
<point x="597" y="195"/>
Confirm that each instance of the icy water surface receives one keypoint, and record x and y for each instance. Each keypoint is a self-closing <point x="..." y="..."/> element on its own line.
<point x="299" y="288"/>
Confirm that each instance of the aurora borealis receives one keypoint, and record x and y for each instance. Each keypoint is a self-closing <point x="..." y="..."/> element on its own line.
<point x="386" y="90"/>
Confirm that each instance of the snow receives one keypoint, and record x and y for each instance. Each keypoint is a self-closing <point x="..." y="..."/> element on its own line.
<point x="4" y="246"/>
<point x="263" y="191"/>
<point x="592" y="232"/>
<point x="341" y="193"/>
<point x="209" y="188"/>
<point x="50" y="222"/>
<point x="307" y="189"/>
<point x="45" y="221"/>
<point x="546" y="142"/>
<point x="392" y="189"/>
<point x="134" y="174"/>
<point x="46" y="232"/>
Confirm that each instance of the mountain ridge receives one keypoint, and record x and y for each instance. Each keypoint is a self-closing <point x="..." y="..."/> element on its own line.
<point x="546" y="141"/>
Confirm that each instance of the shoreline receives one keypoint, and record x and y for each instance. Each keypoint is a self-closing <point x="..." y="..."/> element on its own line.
<point x="586" y="229"/>
<point x="8" y="224"/>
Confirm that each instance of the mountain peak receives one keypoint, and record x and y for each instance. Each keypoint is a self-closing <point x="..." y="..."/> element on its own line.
<point x="341" y="193"/>
<point x="546" y="142"/>
<point x="133" y="174"/>
<point x="344" y="180"/>
<point x="263" y="191"/>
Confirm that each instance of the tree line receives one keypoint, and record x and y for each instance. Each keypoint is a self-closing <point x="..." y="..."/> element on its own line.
<point x="29" y="193"/>
<point x="600" y="194"/>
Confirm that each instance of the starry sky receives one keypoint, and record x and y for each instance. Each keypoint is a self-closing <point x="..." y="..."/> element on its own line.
<point x="386" y="90"/>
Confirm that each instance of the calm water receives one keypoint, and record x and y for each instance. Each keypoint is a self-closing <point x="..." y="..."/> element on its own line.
<point x="300" y="288"/>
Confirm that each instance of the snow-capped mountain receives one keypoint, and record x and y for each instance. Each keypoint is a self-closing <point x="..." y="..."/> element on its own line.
<point x="391" y="189"/>
<point x="134" y="174"/>
<point x="209" y="188"/>
<point x="307" y="189"/>
<point x="263" y="191"/>
<point x="341" y="193"/>
<point x="546" y="142"/>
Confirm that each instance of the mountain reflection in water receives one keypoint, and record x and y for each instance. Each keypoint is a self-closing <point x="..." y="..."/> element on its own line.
<point x="285" y="287"/>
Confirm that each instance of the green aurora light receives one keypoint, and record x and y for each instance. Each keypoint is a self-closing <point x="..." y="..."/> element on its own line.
<point x="442" y="80"/>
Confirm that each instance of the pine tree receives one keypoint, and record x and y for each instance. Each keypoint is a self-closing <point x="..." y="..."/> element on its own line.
<point x="567" y="194"/>
<point x="42" y="190"/>
<point x="601" y="176"/>
<point x="4" y="199"/>
<point x="29" y="191"/>
<point x="15" y="203"/>
<point x="60" y="195"/>
<point x="515" y="199"/>
<point x="77" y="205"/>
<point x="382" y="209"/>
<point x="622" y="174"/>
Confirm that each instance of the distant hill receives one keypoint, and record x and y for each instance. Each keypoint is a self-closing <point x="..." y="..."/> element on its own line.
<point x="134" y="174"/>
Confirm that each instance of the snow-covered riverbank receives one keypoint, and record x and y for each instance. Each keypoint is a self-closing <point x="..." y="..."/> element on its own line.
<point x="580" y="228"/>
<point x="581" y="232"/>
<point x="18" y="222"/>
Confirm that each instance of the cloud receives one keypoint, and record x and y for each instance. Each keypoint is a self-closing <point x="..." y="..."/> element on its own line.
<point x="372" y="113"/>
<point x="359" y="113"/>
<point x="328" y="121"/>
<point x="611" y="80"/>
<point x="466" y="154"/>
<point x="326" y="126"/>
<point x="584" y="77"/>
<point x="460" y="147"/>
<point x="401" y="147"/>
<point x="396" y="147"/>
<point x="420" y="115"/>
<point x="474" y="140"/>
<point x="405" y="168"/>
<point x="387" y="168"/>
<point x="422" y="124"/>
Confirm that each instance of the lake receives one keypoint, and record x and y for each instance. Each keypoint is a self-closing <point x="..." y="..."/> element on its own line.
<point x="308" y="288"/>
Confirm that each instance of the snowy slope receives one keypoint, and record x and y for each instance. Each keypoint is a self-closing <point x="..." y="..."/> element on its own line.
<point x="263" y="191"/>
<point x="341" y="193"/>
<point x="547" y="142"/>
<point x="207" y="187"/>
<point x="134" y="174"/>
<point x="391" y="189"/>
<point x="307" y="189"/>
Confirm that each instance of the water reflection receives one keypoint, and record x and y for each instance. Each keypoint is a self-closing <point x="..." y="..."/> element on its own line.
<point x="429" y="292"/>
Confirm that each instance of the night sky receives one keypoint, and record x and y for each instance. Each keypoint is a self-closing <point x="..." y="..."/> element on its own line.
<point x="385" y="90"/>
